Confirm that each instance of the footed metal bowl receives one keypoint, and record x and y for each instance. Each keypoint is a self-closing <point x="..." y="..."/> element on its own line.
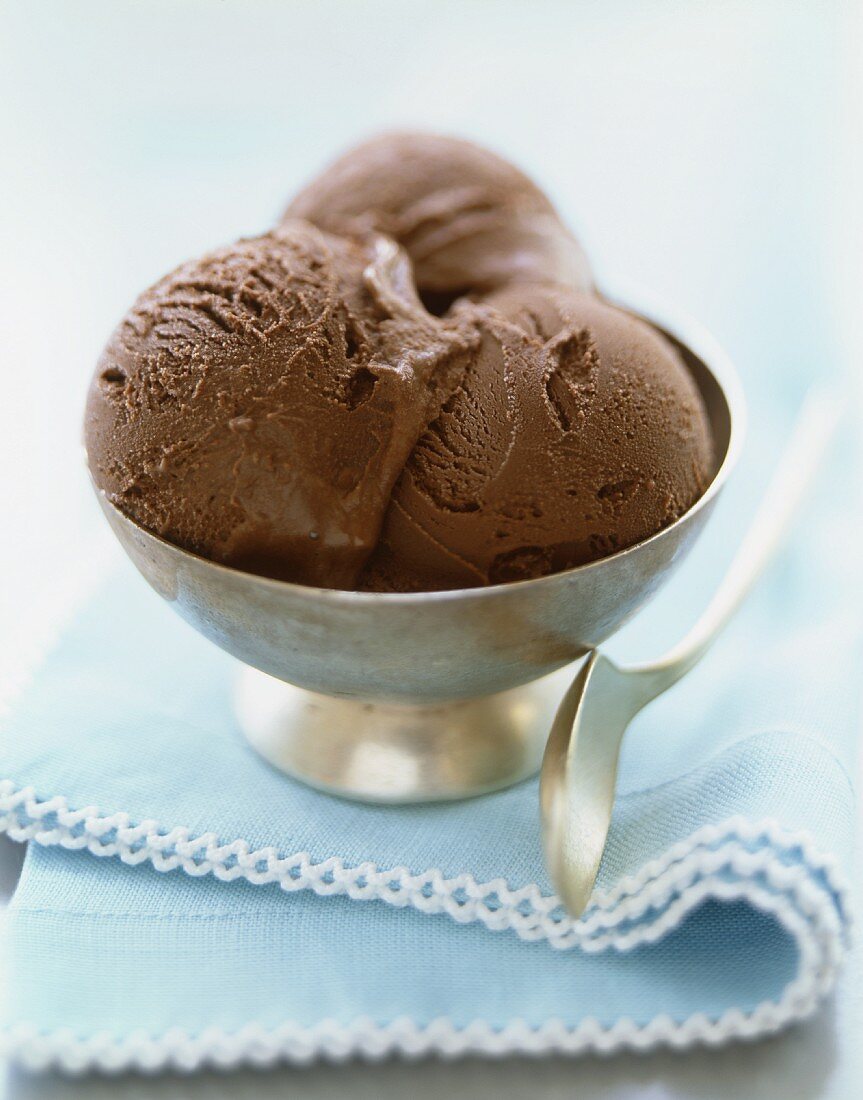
<point x="438" y="695"/>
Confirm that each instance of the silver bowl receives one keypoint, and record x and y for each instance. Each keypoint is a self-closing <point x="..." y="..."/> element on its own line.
<point x="426" y="696"/>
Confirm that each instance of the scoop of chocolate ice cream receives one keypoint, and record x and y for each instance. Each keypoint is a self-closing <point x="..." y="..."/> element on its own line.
<point x="575" y="432"/>
<point x="468" y="219"/>
<point x="257" y="405"/>
<point x="288" y="406"/>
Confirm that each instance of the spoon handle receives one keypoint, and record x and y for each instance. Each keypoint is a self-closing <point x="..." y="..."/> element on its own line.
<point x="815" y="427"/>
<point x="579" y="770"/>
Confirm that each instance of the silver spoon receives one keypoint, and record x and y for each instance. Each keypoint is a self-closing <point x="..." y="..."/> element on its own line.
<point x="579" y="769"/>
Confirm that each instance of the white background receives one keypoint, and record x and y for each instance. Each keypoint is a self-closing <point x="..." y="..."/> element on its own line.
<point x="136" y="133"/>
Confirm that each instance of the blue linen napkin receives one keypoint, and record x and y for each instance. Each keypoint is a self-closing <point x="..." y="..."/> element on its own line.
<point x="242" y="917"/>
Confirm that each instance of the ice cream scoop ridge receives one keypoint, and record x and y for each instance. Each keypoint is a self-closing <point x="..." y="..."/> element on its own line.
<point x="470" y="221"/>
<point x="407" y="385"/>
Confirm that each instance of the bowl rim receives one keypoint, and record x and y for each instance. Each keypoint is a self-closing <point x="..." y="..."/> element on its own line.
<point x="672" y="322"/>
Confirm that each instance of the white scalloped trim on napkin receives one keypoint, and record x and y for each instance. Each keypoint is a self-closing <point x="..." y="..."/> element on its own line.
<point x="775" y="871"/>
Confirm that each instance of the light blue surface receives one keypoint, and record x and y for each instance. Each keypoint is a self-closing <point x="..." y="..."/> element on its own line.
<point x="140" y="950"/>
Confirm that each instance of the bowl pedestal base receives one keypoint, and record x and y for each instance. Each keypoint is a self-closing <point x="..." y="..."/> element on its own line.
<point x="389" y="752"/>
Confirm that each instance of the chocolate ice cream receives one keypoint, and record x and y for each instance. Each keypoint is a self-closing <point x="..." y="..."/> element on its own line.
<point x="469" y="221"/>
<point x="257" y="405"/>
<point x="575" y="432"/>
<point x="289" y="406"/>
